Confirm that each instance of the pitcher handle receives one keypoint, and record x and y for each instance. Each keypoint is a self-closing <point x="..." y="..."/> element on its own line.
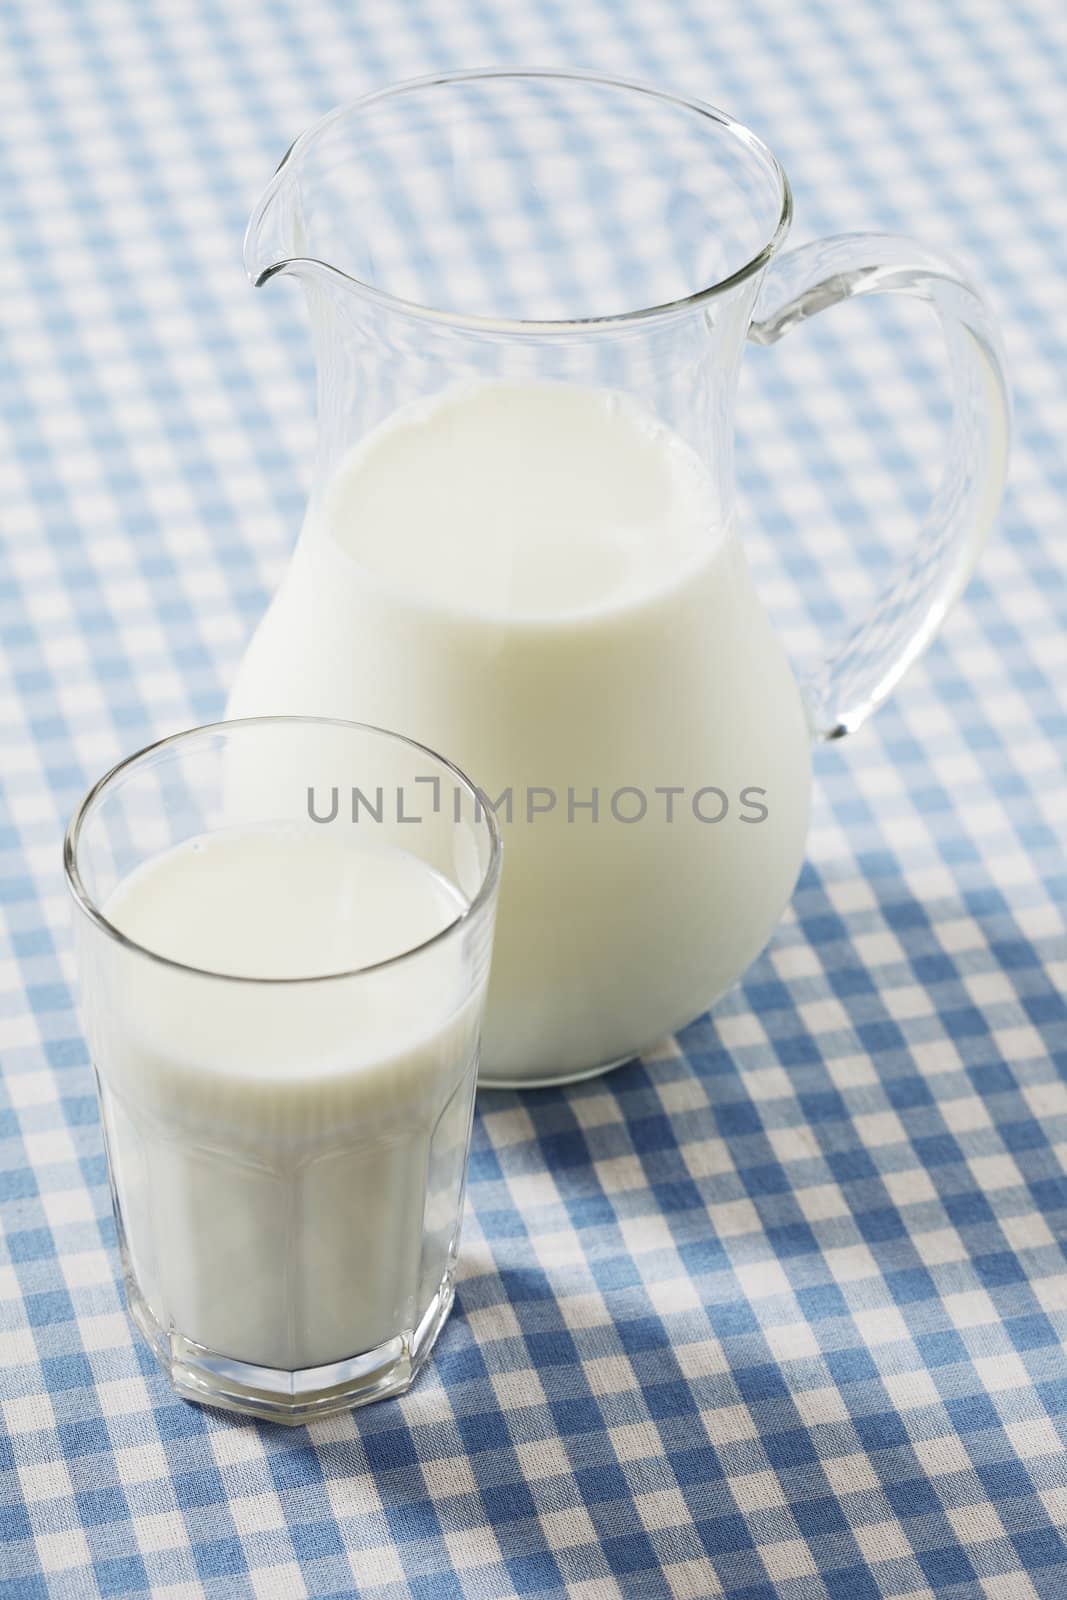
<point x="867" y="667"/>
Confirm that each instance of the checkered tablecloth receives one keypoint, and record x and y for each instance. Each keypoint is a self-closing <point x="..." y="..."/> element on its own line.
<point x="777" y="1312"/>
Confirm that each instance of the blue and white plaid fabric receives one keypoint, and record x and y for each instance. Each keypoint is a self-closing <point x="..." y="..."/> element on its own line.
<point x="778" y="1312"/>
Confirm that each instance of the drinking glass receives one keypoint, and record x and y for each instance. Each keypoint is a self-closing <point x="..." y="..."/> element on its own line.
<point x="287" y="1154"/>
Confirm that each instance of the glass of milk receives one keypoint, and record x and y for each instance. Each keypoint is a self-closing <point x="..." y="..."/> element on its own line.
<point x="284" y="928"/>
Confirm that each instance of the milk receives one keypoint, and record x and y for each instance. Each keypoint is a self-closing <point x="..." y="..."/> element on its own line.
<point x="288" y="1158"/>
<point x="276" y="900"/>
<point x="531" y="578"/>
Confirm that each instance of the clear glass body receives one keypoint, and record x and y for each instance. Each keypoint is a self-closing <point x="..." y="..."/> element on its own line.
<point x="517" y="230"/>
<point x="287" y="1155"/>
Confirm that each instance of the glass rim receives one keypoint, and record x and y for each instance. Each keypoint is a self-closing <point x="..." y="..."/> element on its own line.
<point x="88" y="906"/>
<point x="476" y="322"/>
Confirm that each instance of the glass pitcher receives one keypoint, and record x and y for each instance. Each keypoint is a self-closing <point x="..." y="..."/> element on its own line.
<point x="529" y="293"/>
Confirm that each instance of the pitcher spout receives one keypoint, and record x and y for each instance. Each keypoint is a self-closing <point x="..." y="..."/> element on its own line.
<point x="270" y="244"/>
<point x="275" y="239"/>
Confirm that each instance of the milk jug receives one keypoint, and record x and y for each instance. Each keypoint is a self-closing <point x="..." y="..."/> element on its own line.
<point x="529" y="293"/>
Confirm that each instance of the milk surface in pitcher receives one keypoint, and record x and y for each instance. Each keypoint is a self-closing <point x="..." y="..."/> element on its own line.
<point x="530" y="577"/>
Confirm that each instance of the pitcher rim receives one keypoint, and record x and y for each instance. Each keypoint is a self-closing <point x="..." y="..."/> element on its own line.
<point x="477" y="322"/>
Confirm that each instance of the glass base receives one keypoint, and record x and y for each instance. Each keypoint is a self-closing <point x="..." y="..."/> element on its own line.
<point x="293" y="1398"/>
